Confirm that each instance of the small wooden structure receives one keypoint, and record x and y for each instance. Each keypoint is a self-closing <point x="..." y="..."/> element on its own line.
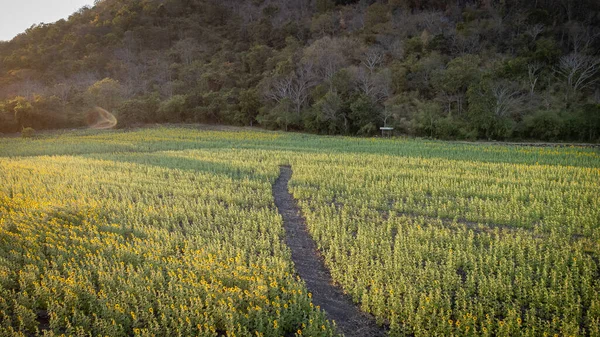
<point x="386" y="130"/>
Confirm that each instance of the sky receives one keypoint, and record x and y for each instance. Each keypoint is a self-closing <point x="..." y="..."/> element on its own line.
<point x="18" y="15"/>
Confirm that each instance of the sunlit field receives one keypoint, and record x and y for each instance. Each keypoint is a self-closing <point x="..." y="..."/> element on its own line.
<point x="174" y="232"/>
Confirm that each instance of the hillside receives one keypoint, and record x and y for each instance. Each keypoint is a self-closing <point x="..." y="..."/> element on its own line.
<point x="515" y="69"/>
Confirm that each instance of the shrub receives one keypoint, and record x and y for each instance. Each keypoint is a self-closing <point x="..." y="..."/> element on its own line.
<point x="544" y="125"/>
<point x="140" y="110"/>
<point x="172" y="110"/>
<point x="27" y="132"/>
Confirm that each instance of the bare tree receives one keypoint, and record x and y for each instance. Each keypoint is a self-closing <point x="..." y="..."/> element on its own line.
<point x="28" y="87"/>
<point x="578" y="70"/>
<point x="303" y="82"/>
<point x="328" y="55"/>
<point x="533" y="73"/>
<point x="295" y="87"/>
<point x="365" y="82"/>
<point x="160" y="72"/>
<point x="291" y="10"/>
<point x="446" y="98"/>
<point x="388" y="113"/>
<point x="62" y="91"/>
<point x="25" y="83"/>
<point x="133" y="65"/>
<point x="83" y="79"/>
<point x="390" y="44"/>
<point x="581" y="37"/>
<point x="247" y="11"/>
<point x="187" y="49"/>
<point x="375" y="85"/>
<point x="435" y="22"/>
<point x="409" y="23"/>
<point x="597" y="96"/>
<point x="354" y="16"/>
<point x="535" y="30"/>
<point x="130" y="47"/>
<point x="507" y="98"/>
<point x="279" y="89"/>
<point x="372" y="58"/>
<point x="461" y="44"/>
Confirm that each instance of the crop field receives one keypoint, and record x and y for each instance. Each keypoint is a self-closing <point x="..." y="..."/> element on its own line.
<point x="174" y="231"/>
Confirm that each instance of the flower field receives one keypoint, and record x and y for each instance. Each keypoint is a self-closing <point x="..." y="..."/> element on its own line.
<point x="174" y="232"/>
<point x="436" y="246"/>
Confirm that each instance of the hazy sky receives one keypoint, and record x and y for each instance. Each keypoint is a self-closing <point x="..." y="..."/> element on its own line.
<point x="18" y="15"/>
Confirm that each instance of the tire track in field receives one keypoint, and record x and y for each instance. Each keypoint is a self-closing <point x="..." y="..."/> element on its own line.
<point x="350" y="320"/>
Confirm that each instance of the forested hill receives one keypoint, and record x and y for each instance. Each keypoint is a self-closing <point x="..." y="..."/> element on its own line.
<point x="510" y="69"/>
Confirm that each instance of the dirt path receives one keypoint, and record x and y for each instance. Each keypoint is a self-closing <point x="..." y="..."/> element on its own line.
<point x="351" y="321"/>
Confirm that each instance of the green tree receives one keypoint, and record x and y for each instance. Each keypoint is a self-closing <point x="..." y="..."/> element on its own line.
<point x="324" y="24"/>
<point x="426" y="117"/>
<point x="364" y="115"/>
<point x="452" y="83"/>
<point x="544" y="125"/>
<point x="172" y="109"/>
<point x="325" y="5"/>
<point x="330" y="114"/>
<point x="282" y="115"/>
<point x="249" y="106"/>
<point x="106" y="93"/>
<point x="140" y="110"/>
<point x="22" y="110"/>
<point x="377" y="14"/>
<point x="8" y="122"/>
<point x="492" y="105"/>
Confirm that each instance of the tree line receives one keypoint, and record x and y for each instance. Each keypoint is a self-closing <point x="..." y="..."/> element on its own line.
<point x="487" y="69"/>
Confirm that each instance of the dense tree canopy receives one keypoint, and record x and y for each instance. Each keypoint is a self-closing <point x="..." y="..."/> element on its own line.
<point x="464" y="69"/>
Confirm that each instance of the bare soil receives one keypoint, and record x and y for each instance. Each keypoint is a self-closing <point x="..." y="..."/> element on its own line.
<point x="350" y="320"/>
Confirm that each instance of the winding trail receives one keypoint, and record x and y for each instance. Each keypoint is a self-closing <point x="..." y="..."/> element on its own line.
<point x="350" y="320"/>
